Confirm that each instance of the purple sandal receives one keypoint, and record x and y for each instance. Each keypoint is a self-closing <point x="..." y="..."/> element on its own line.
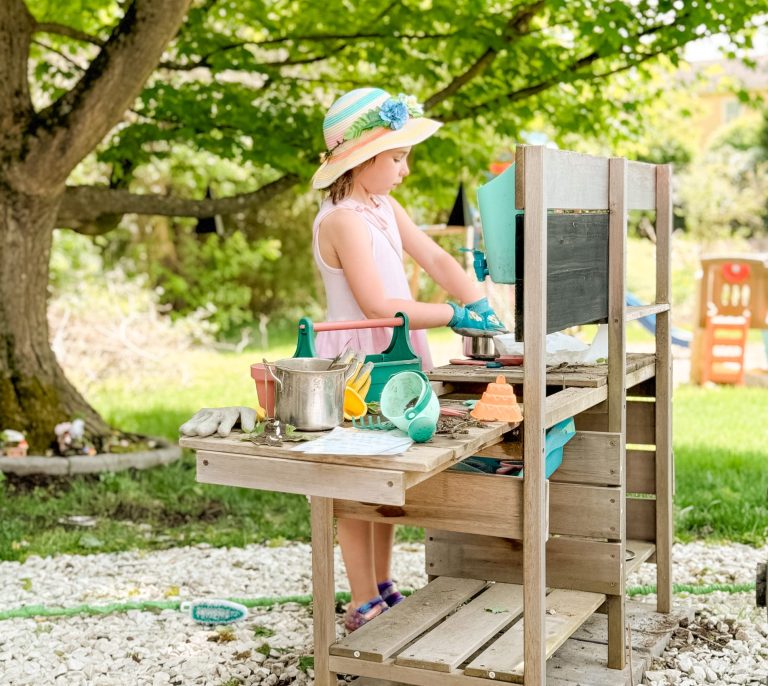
<point x="354" y="618"/>
<point x="389" y="593"/>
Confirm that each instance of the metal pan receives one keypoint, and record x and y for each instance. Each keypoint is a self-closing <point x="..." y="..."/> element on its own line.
<point x="479" y="347"/>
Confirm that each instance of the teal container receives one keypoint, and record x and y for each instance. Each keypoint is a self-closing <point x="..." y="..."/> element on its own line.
<point x="398" y="356"/>
<point x="498" y="215"/>
<point x="557" y="436"/>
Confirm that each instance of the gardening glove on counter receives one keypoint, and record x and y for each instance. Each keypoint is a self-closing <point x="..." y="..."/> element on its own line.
<point x="476" y="319"/>
<point x="219" y="420"/>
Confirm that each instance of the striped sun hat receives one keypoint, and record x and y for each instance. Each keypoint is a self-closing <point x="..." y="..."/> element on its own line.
<point x="364" y="122"/>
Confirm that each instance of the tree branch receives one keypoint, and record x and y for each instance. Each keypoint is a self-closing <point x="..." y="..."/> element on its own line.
<point x="515" y="26"/>
<point x="88" y="209"/>
<point x="321" y="37"/>
<point x="69" y="32"/>
<point x="528" y="91"/>
<point x="61" y="135"/>
<point x="476" y="68"/>
<point x="63" y="56"/>
<point x="633" y="63"/>
<point x="204" y="61"/>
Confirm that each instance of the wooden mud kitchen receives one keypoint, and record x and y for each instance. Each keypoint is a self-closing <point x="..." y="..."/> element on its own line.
<point x="516" y="565"/>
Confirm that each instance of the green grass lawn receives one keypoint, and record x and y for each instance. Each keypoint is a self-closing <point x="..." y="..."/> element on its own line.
<point x="720" y="438"/>
<point x="720" y="442"/>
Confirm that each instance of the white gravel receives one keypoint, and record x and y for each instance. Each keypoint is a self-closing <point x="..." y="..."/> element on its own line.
<point x="726" y="644"/>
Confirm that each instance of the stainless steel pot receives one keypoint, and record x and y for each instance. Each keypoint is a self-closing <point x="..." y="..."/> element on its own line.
<point x="479" y="347"/>
<point x="308" y="395"/>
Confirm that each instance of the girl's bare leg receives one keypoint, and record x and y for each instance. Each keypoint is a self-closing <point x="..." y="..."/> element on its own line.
<point x="383" y="538"/>
<point x="356" y="539"/>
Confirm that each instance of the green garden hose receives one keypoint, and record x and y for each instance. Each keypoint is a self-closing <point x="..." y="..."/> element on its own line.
<point x="155" y="605"/>
<point x="150" y="605"/>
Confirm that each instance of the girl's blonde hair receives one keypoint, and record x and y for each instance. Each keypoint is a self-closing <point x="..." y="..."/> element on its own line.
<point x="342" y="186"/>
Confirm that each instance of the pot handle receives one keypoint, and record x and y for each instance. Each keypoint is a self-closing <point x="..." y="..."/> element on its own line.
<point x="269" y="367"/>
<point x="357" y="324"/>
<point x="305" y="346"/>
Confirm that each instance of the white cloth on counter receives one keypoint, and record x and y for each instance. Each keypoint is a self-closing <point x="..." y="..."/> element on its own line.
<point x="561" y="348"/>
<point x="341" y="441"/>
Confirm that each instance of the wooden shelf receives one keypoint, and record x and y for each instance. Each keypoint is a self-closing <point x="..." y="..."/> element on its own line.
<point x="412" y="637"/>
<point x="588" y="376"/>
<point x="640" y="311"/>
<point x="571" y="401"/>
<point x="643" y="551"/>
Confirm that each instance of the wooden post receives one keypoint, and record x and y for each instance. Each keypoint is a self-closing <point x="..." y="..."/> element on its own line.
<point x="664" y="456"/>
<point x="323" y="590"/>
<point x="617" y="367"/>
<point x="534" y="393"/>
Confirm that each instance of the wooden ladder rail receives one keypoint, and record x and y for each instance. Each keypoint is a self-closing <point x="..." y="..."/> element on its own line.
<point x="534" y="394"/>
<point x="617" y="368"/>
<point x="664" y="460"/>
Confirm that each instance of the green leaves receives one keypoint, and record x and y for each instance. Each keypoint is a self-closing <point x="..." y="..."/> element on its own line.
<point x="370" y="120"/>
<point x="250" y="81"/>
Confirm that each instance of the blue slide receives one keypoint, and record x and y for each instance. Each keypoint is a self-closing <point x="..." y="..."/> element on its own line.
<point x="679" y="337"/>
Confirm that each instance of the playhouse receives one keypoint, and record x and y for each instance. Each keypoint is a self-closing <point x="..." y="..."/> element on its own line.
<point x="731" y="299"/>
<point x="516" y="565"/>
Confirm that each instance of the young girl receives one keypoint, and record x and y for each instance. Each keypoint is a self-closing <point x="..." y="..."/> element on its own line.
<point x="359" y="236"/>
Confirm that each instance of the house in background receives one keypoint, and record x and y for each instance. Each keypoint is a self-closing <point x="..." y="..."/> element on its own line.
<point x="718" y="106"/>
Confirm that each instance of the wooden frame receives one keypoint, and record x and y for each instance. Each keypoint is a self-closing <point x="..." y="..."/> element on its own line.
<point x="551" y="179"/>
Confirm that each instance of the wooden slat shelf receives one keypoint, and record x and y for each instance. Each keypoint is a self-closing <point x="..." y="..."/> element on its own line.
<point x="565" y="611"/>
<point x="592" y="376"/>
<point x="643" y="551"/>
<point x="639" y="311"/>
<point x="570" y="402"/>
<point x="412" y="641"/>
<point x="583" y="387"/>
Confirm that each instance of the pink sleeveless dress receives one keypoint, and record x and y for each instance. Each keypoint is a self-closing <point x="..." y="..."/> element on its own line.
<point x="387" y="249"/>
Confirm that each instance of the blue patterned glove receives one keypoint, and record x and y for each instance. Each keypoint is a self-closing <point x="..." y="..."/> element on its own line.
<point x="468" y="322"/>
<point x="481" y="306"/>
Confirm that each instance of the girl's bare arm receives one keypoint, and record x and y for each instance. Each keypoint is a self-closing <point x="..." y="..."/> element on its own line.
<point x="344" y="243"/>
<point x="441" y="266"/>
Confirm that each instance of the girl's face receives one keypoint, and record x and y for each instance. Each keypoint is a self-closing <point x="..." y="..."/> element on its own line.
<point x="386" y="172"/>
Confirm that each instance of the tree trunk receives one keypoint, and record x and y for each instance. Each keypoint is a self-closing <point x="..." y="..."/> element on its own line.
<point x="38" y="151"/>
<point x="34" y="393"/>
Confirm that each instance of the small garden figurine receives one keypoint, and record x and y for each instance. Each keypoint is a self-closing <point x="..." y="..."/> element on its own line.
<point x="70" y="439"/>
<point x="13" y="443"/>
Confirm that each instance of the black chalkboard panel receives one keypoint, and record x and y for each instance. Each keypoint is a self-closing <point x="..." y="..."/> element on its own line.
<point x="577" y="271"/>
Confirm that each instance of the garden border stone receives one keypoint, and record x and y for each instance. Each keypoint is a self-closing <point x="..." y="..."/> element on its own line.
<point x="91" y="464"/>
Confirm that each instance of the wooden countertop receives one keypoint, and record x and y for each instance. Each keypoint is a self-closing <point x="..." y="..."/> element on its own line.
<point x="441" y="451"/>
<point x="383" y="479"/>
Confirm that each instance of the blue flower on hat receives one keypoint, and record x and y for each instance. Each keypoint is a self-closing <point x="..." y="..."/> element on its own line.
<point x="394" y="113"/>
